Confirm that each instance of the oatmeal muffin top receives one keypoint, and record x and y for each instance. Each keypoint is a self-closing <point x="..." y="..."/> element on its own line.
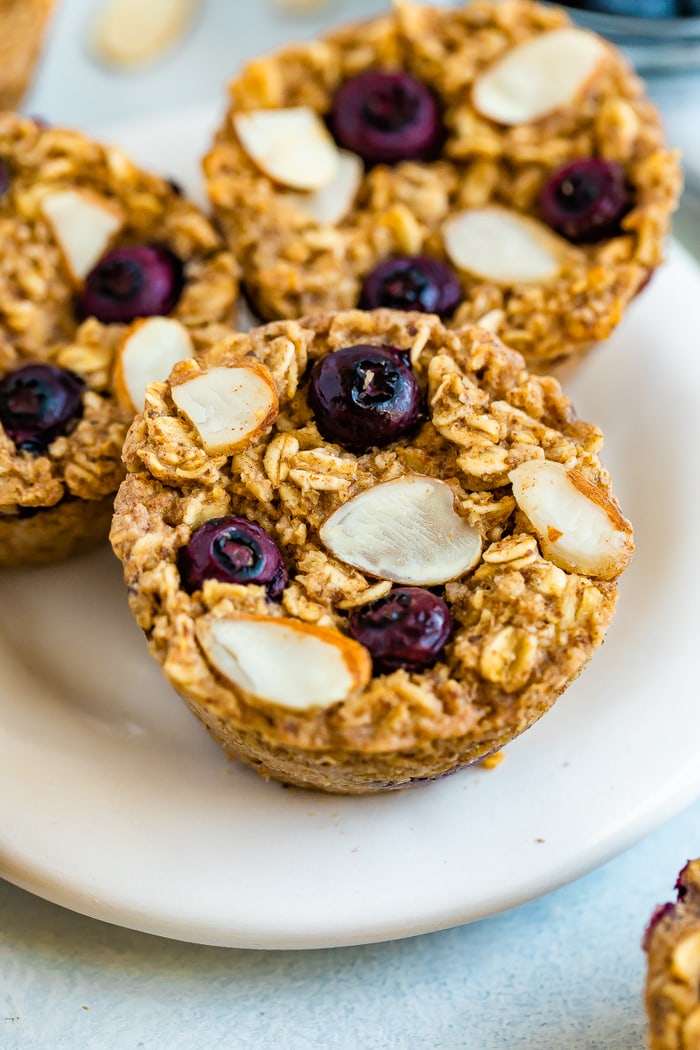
<point x="416" y="513"/>
<point x="489" y="161"/>
<point x="107" y="275"/>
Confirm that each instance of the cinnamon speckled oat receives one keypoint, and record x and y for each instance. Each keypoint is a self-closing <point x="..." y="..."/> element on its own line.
<point x="523" y="627"/>
<point x="53" y="503"/>
<point x="293" y="264"/>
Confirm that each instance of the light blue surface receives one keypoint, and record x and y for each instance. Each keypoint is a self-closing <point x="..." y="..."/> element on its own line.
<point x="562" y="973"/>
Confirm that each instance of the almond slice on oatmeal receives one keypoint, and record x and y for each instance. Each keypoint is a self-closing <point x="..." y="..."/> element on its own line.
<point x="292" y="146"/>
<point x="332" y="202"/>
<point x="83" y="224"/>
<point x="543" y="74"/>
<point x="579" y="526"/>
<point x="406" y="530"/>
<point x="280" y="661"/>
<point x="229" y="406"/>
<point x="148" y="352"/>
<point x="503" y="246"/>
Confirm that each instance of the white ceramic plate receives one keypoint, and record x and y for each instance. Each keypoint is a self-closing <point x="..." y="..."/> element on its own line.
<point x="114" y="802"/>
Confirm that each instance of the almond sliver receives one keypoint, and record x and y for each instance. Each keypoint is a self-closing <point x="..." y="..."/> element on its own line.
<point x="281" y="661"/>
<point x="543" y="74"/>
<point x="229" y="406"/>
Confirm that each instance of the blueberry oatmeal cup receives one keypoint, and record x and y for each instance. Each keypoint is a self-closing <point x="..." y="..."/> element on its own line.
<point x="23" y="25"/>
<point x="490" y="163"/>
<point x="107" y="277"/>
<point x="366" y="549"/>
<point x="672" y="943"/>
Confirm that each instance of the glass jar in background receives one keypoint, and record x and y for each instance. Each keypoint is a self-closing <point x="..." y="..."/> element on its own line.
<point x="656" y="42"/>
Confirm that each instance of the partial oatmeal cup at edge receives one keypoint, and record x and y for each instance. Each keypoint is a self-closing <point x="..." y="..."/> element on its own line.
<point x="108" y="276"/>
<point x="382" y="553"/>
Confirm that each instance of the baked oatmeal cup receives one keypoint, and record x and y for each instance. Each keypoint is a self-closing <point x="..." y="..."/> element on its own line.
<point x="672" y="942"/>
<point x="23" y="25"/>
<point x="366" y="549"/>
<point x="107" y="277"/>
<point x="489" y="163"/>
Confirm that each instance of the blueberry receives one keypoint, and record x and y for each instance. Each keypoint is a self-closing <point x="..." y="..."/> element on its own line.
<point x="232" y="550"/>
<point x="137" y="281"/>
<point x="633" y="8"/>
<point x="412" y="282"/>
<point x="38" y="403"/>
<point x="586" y="199"/>
<point x="660" y="913"/>
<point x="364" y="396"/>
<point x="4" y="177"/>
<point x="406" y="629"/>
<point x="387" y="117"/>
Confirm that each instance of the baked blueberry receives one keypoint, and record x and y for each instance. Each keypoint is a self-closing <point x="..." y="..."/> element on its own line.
<point x="232" y="550"/>
<point x="38" y="403"/>
<point x="364" y="396"/>
<point x="586" y="199"/>
<point x="406" y="629"/>
<point x="142" y="280"/>
<point x="386" y="117"/>
<point x="412" y="282"/>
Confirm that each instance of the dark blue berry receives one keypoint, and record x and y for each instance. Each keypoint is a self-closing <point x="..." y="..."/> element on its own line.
<point x="386" y="117"/>
<point x="406" y="629"/>
<point x="38" y="403"/>
<point x="586" y="199"/>
<point x="364" y="396"/>
<point x="143" y="280"/>
<point x="412" y="282"/>
<point x="232" y="550"/>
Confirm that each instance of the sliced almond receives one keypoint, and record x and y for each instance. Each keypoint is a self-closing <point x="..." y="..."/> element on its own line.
<point x="83" y="224"/>
<point x="229" y="406"/>
<point x="540" y="76"/>
<point x="280" y="661"/>
<point x="331" y="203"/>
<point x="406" y="530"/>
<point x="147" y="354"/>
<point x="292" y="146"/>
<point x="503" y="246"/>
<point x="685" y="959"/>
<point x="580" y="528"/>
<point x="131" y="33"/>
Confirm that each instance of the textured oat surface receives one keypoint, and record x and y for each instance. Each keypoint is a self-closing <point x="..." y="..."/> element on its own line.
<point x="523" y="627"/>
<point x="292" y="265"/>
<point x="38" y="321"/>
<point x="672" y="994"/>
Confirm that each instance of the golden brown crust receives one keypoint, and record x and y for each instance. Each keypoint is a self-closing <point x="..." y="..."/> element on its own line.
<point x="54" y="533"/>
<point x="292" y="265"/>
<point x="523" y="628"/>
<point x="37" y="317"/>
<point x="672" y="994"/>
<point x="22" y="27"/>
